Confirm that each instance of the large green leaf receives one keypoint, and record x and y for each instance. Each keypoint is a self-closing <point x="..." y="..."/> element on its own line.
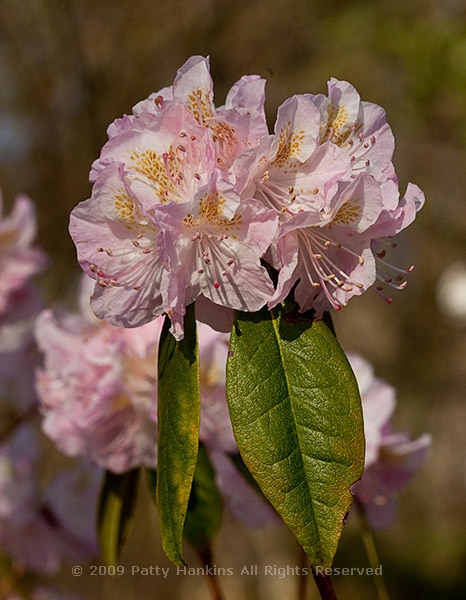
<point x="296" y="413"/>
<point x="116" y="507"/>
<point x="178" y="431"/>
<point x="204" y="514"/>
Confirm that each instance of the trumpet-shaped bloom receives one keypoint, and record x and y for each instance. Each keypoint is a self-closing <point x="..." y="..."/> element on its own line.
<point x="326" y="252"/>
<point x="357" y="127"/>
<point x="213" y="246"/>
<point x="289" y="171"/>
<point x="327" y="171"/>
<point x="234" y="127"/>
<point x="164" y="226"/>
<point x="391" y="458"/>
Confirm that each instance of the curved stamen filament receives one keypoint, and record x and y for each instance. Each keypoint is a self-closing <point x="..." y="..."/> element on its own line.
<point x="394" y="268"/>
<point x="396" y="283"/>
<point x="327" y="243"/>
<point x="333" y="275"/>
<point x="328" y="273"/>
<point x="271" y="200"/>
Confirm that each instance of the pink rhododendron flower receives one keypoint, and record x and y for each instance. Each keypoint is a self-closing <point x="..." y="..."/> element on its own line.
<point x="19" y="259"/>
<point x="328" y="172"/>
<point x="164" y="226"/>
<point x="359" y="128"/>
<point x="325" y="250"/>
<point x="20" y="302"/>
<point x="234" y="127"/>
<point x="40" y="528"/>
<point x="214" y="254"/>
<point x="391" y="458"/>
<point x="190" y="200"/>
<point x="290" y="170"/>
<point x="98" y="389"/>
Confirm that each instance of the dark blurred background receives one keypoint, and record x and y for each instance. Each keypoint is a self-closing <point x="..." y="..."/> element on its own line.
<point x="70" y="67"/>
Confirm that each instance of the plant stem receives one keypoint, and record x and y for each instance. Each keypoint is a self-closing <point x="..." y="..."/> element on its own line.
<point x="303" y="575"/>
<point x="324" y="585"/>
<point x="371" y="552"/>
<point x="206" y="558"/>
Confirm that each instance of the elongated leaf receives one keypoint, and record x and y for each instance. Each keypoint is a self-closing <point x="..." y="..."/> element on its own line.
<point x="296" y="414"/>
<point x="178" y="431"/>
<point x="116" y="507"/>
<point x="205" y="505"/>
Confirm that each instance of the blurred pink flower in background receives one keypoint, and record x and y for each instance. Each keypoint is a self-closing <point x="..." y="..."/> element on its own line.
<point x="98" y="388"/>
<point x="18" y="353"/>
<point x="42" y="526"/>
<point x="20" y="302"/>
<point x="391" y="458"/>
<point x="19" y="259"/>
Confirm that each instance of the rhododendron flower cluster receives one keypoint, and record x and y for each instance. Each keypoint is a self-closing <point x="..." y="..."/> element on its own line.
<point x="195" y="201"/>
<point x="199" y="215"/>
<point x="391" y="458"/>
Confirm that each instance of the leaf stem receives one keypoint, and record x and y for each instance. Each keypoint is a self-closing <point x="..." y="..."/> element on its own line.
<point x="371" y="553"/>
<point x="206" y="558"/>
<point x="324" y="585"/>
<point x="303" y="575"/>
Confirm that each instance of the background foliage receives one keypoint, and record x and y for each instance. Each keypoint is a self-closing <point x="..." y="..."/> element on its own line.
<point x="69" y="67"/>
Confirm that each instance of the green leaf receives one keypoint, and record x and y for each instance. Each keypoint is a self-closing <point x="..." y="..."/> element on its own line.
<point x="178" y="431"/>
<point x="204" y="514"/>
<point x="116" y="507"/>
<point x="296" y="413"/>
